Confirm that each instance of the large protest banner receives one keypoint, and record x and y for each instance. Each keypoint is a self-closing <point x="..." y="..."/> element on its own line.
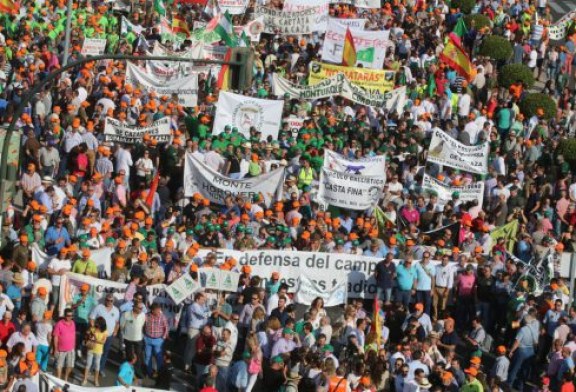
<point x="308" y="291"/>
<point x="282" y="22"/>
<point x="370" y="79"/>
<point x="340" y="85"/>
<point x="71" y="283"/>
<point x="368" y="166"/>
<point x="445" y="150"/>
<point x="474" y="191"/>
<point x="350" y="191"/>
<point x="100" y="257"/>
<point x="93" y="46"/>
<point x="115" y="131"/>
<point x="53" y="384"/>
<point x="247" y="112"/>
<point x="371" y="46"/>
<point x="558" y="30"/>
<point x="215" y="187"/>
<point x="234" y="7"/>
<point x="186" y="88"/>
<point x="321" y="8"/>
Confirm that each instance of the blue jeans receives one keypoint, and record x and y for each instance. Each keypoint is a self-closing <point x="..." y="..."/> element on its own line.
<point x="384" y="294"/>
<point x="105" y="352"/>
<point x="520" y="366"/>
<point x="425" y="298"/>
<point x="42" y="357"/>
<point x="153" y="347"/>
<point x="485" y="310"/>
<point x="404" y="297"/>
<point x="221" y="378"/>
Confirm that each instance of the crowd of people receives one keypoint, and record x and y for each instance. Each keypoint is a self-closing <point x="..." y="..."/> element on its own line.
<point x="459" y="310"/>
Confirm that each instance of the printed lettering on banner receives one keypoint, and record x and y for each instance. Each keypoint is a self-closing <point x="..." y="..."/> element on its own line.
<point x="338" y="84"/>
<point x="93" y="47"/>
<point x="371" y="46"/>
<point x="185" y="88"/>
<point x="368" y="166"/>
<point x="353" y="24"/>
<point x="216" y="187"/>
<point x="182" y="288"/>
<point x="287" y="23"/>
<point x="99" y="288"/>
<point x="557" y="31"/>
<point x="234" y="7"/>
<point x="359" y="3"/>
<point x="321" y="8"/>
<point x="309" y="290"/>
<point x="100" y="257"/>
<point x="247" y="112"/>
<point x="474" y="191"/>
<point x="350" y="191"/>
<point x="370" y="79"/>
<point x="115" y="131"/>
<point x="445" y="150"/>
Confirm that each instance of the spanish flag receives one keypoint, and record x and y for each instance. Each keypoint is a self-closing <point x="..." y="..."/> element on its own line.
<point x="153" y="189"/>
<point x="349" y="53"/>
<point x="178" y="25"/>
<point x="223" y="82"/>
<point x="9" y="7"/>
<point x="376" y="327"/>
<point x="455" y="56"/>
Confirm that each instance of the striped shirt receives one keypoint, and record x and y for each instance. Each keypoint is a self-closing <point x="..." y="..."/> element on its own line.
<point x="104" y="166"/>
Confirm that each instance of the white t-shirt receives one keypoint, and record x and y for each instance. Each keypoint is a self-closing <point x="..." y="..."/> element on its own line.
<point x="43" y="330"/>
<point x="58" y="265"/>
<point x="533" y="58"/>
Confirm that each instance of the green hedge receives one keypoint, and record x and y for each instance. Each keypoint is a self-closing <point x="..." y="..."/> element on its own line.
<point x="464" y="5"/>
<point x="480" y="21"/>
<point x="511" y="73"/>
<point x="531" y="102"/>
<point x="495" y="47"/>
<point x="567" y="148"/>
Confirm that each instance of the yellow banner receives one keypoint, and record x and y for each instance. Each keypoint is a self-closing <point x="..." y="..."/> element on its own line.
<point x="370" y="79"/>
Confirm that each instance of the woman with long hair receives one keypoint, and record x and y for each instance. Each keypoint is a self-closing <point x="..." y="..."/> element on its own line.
<point x="95" y="339"/>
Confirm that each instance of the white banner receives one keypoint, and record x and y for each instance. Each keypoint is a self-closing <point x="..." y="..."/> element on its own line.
<point x="320" y="7"/>
<point x="294" y="124"/>
<point x="182" y="288"/>
<point x="359" y="3"/>
<point x="287" y="23"/>
<point x="340" y="85"/>
<point x="370" y="46"/>
<point x="126" y="26"/>
<point x="234" y="7"/>
<point x="57" y="383"/>
<point x="93" y="46"/>
<point x="100" y="257"/>
<point x="215" y="187"/>
<point x="445" y="150"/>
<point x="252" y="29"/>
<point x="353" y="24"/>
<point x="198" y="51"/>
<point x="247" y="112"/>
<point x="186" y="88"/>
<point x="350" y="191"/>
<point x="115" y="131"/>
<point x="309" y="290"/>
<point x="221" y="280"/>
<point x="557" y="31"/>
<point x="474" y="191"/>
<point x="99" y="288"/>
<point x="368" y="166"/>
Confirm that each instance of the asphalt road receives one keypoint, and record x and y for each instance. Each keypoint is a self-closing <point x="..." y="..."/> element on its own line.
<point x="560" y="8"/>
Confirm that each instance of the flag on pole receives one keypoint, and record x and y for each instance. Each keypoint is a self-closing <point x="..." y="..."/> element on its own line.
<point x="224" y="75"/>
<point x="349" y="53"/>
<point x="153" y="189"/>
<point x="455" y="56"/>
<point x="179" y="25"/>
<point x="159" y="7"/>
<point x="244" y="41"/>
<point x="460" y="29"/>
<point x="376" y="327"/>
<point x="9" y="7"/>
<point x="509" y="232"/>
<point x="221" y="24"/>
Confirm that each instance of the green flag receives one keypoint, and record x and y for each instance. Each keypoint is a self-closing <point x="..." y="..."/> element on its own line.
<point x="365" y="55"/>
<point x="431" y="86"/>
<point x="460" y="28"/>
<point x="509" y="232"/>
<point x="159" y="7"/>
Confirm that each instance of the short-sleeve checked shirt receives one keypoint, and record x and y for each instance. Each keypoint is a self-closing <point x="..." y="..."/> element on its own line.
<point x="156" y="326"/>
